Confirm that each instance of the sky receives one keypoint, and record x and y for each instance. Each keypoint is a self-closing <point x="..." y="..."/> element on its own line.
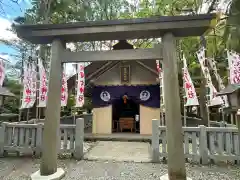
<point x="7" y="15"/>
<point x="8" y="12"/>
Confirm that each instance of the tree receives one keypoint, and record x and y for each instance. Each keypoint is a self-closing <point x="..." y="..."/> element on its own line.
<point x="12" y="104"/>
<point x="232" y="34"/>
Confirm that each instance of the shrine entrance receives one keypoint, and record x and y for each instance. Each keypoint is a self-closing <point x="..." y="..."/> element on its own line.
<point x="125" y="115"/>
<point x="169" y="28"/>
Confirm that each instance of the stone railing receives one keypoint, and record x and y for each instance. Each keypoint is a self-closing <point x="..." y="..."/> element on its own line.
<point x="27" y="138"/>
<point x="221" y="124"/>
<point x="195" y="122"/>
<point x="201" y="144"/>
<point x="64" y="120"/>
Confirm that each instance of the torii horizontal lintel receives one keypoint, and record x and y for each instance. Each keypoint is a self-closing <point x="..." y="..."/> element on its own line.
<point x="112" y="55"/>
<point x="143" y="28"/>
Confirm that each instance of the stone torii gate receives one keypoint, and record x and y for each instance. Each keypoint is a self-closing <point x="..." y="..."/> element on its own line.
<point x="167" y="27"/>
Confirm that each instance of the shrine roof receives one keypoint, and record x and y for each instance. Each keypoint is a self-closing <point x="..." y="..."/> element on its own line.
<point x="231" y="88"/>
<point x="93" y="71"/>
<point x="180" y="26"/>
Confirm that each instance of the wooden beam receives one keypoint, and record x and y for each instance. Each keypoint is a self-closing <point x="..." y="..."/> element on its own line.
<point x="109" y="68"/>
<point x="98" y="70"/>
<point x="116" y="55"/>
<point x="180" y="26"/>
<point x="147" y="67"/>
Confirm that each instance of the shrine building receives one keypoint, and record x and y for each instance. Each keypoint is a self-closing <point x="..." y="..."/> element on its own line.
<point x="125" y="94"/>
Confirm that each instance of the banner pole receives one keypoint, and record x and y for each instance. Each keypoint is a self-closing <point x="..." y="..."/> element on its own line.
<point x="20" y="109"/>
<point x="229" y="82"/>
<point x="207" y="105"/>
<point x="213" y="66"/>
<point x="160" y="75"/>
<point x="37" y="90"/>
<point x="208" y="114"/>
<point x="231" y="115"/>
<point x="37" y="102"/>
<point x="27" y="115"/>
<point x="39" y="112"/>
<point x="184" y="101"/>
<point x="185" y="116"/>
<point x="75" y="95"/>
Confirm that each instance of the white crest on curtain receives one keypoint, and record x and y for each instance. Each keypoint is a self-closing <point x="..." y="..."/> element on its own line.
<point x="80" y="85"/>
<point x="191" y="95"/>
<point x="213" y="99"/>
<point x="43" y="85"/>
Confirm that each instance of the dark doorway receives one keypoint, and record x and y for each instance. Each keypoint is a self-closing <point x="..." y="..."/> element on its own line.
<point x="125" y="112"/>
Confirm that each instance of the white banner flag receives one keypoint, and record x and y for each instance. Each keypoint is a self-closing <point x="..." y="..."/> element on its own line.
<point x="64" y="90"/>
<point x="213" y="66"/>
<point x="80" y="85"/>
<point x="158" y="66"/>
<point x="43" y="85"/>
<point x="33" y="76"/>
<point x="234" y="67"/>
<point x="2" y="72"/>
<point x="27" y="87"/>
<point x="191" y="95"/>
<point x="213" y="99"/>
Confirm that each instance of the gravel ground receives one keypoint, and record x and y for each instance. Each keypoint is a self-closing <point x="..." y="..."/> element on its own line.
<point x="20" y="169"/>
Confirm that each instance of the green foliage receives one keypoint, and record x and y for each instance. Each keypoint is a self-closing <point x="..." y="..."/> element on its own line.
<point x="88" y="104"/>
<point x="12" y="103"/>
<point x="71" y="103"/>
<point x="14" y="87"/>
<point x="232" y="33"/>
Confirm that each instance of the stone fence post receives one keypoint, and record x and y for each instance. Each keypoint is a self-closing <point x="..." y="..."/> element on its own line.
<point x="222" y="124"/>
<point x="2" y="139"/>
<point x="39" y="140"/>
<point x="203" y="149"/>
<point x="155" y="140"/>
<point x="79" y="138"/>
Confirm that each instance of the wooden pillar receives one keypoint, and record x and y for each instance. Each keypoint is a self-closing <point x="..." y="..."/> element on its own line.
<point x="176" y="159"/>
<point x="53" y="108"/>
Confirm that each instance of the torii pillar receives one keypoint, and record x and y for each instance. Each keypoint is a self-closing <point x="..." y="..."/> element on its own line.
<point x="48" y="166"/>
<point x="176" y="162"/>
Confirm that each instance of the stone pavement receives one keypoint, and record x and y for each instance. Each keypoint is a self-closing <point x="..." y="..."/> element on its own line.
<point x="120" y="151"/>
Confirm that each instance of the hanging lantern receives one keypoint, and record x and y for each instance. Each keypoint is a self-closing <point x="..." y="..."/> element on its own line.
<point x="125" y="99"/>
